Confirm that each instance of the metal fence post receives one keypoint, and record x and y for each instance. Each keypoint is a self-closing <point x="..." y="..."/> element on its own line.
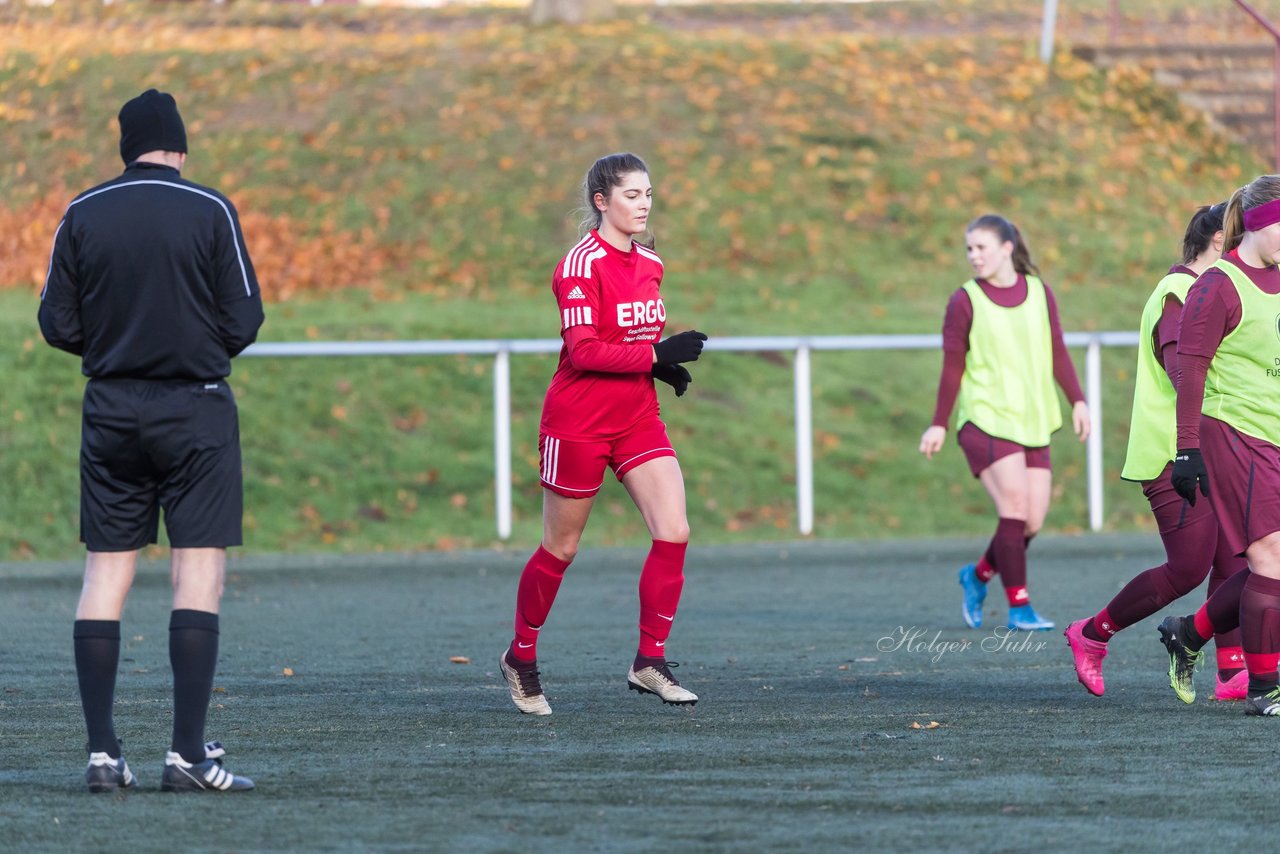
<point x="1093" y="396"/>
<point x="502" y="440"/>
<point x="804" y="441"/>
<point x="1046" y="30"/>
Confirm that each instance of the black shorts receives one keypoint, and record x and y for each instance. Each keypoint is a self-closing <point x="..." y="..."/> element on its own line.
<point x="152" y="444"/>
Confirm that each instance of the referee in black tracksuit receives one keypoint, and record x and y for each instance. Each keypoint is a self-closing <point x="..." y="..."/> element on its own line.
<point x="151" y="284"/>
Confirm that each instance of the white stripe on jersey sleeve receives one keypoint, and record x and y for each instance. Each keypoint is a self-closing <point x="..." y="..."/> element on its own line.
<point x="588" y="242"/>
<point x="648" y="253"/>
<point x="586" y="260"/>
<point x="576" y="315"/>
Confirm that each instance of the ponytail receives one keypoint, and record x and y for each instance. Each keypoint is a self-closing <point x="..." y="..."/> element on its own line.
<point x="1008" y="233"/>
<point x="1233" y="220"/>
<point x="1022" y="255"/>
<point x="1204" y="224"/>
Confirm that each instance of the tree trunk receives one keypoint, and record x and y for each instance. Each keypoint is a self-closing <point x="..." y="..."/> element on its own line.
<point x="570" y="11"/>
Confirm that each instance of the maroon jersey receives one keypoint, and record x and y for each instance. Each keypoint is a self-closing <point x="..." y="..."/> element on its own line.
<point x="611" y="315"/>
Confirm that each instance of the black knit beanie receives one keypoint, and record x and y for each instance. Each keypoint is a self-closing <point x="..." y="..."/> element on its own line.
<point x="150" y="122"/>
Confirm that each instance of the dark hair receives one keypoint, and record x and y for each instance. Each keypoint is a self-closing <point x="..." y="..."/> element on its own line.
<point x="605" y="174"/>
<point x="1007" y="232"/>
<point x="1259" y="191"/>
<point x="1205" y="223"/>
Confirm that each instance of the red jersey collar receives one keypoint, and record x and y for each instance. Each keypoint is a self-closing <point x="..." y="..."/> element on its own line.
<point x="618" y="255"/>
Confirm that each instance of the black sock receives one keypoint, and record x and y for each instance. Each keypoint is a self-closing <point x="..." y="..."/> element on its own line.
<point x="1189" y="636"/>
<point x="1262" y="683"/>
<point x="97" y="646"/>
<point x="193" y="655"/>
<point x="643" y="661"/>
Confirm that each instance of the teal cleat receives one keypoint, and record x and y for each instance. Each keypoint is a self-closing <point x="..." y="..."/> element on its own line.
<point x="975" y="593"/>
<point x="1025" y="619"/>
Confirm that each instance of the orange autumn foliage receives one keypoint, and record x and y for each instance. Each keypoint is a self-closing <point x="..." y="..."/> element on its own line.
<point x="26" y="237"/>
<point x="289" y="258"/>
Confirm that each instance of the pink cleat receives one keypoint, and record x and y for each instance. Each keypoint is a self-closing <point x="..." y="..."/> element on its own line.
<point x="1088" y="655"/>
<point x="1235" y="688"/>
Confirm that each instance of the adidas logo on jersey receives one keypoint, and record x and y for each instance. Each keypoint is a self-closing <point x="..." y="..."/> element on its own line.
<point x="576" y="293"/>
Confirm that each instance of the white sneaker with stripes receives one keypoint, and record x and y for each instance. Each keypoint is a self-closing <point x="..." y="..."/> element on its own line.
<point x="658" y="680"/>
<point x="106" y="774"/>
<point x="207" y="776"/>
<point x="524" y="685"/>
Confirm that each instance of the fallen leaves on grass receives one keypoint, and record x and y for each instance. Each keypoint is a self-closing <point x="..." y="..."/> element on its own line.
<point x="459" y="659"/>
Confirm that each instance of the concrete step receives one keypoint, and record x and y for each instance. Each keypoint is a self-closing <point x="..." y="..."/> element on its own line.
<point x="1230" y="102"/>
<point x="1236" y="119"/>
<point x="1233" y="85"/>
<point x="1210" y="79"/>
<point x="1107" y="55"/>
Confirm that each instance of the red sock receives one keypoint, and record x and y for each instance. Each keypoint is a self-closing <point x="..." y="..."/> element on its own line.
<point x="1230" y="659"/>
<point x="1104" y="626"/>
<point x="1017" y="596"/>
<point x="661" y="581"/>
<point x="985" y="571"/>
<point x="1204" y="627"/>
<point x="538" y="585"/>
<point x="1261" y="663"/>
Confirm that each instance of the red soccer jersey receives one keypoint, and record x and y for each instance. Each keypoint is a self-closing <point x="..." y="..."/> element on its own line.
<point x="611" y="315"/>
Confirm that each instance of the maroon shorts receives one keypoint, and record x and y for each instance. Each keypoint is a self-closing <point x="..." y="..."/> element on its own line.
<point x="576" y="469"/>
<point x="1244" y="483"/>
<point x="982" y="449"/>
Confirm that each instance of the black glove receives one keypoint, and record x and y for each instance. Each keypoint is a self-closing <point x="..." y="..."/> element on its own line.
<point x="681" y="347"/>
<point x="1188" y="472"/>
<point x="673" y="375"/>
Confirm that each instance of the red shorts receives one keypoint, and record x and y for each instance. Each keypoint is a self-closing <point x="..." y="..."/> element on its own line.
<point x="982" y="449"/>
<point x="1244" y="483"/>
<point x="576" y="469"/>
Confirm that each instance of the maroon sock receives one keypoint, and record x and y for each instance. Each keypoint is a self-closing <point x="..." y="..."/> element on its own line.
<point x="1010" y="549"/>
<point x="661" y="581"/>
<point x="1222" y="609"/>
<point x="538" y="586"/>
<point x="1226" y="636"/>
<point x="1144" y="595"/>
<point x="1260" y="627"/>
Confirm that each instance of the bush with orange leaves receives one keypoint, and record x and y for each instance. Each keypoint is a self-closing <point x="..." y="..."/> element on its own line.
<point x="289" y="258"/>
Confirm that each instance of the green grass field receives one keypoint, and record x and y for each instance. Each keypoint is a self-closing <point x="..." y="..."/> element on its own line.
<point x="411" y="173"/>
<point x="803" y="739"/>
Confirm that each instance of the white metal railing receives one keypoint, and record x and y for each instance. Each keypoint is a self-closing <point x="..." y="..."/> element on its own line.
<point x="801" y="346"/>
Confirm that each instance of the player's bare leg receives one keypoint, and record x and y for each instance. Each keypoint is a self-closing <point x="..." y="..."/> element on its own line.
<point x="563" y="521"/>
<point x="1015" y="492"/>
<point x="657" y="488"/>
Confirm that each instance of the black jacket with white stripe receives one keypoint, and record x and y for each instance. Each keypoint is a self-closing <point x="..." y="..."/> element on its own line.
<point x="150" y="279"/>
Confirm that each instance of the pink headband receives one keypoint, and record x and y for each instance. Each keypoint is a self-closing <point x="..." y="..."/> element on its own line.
<point x="1262" y="216"/>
